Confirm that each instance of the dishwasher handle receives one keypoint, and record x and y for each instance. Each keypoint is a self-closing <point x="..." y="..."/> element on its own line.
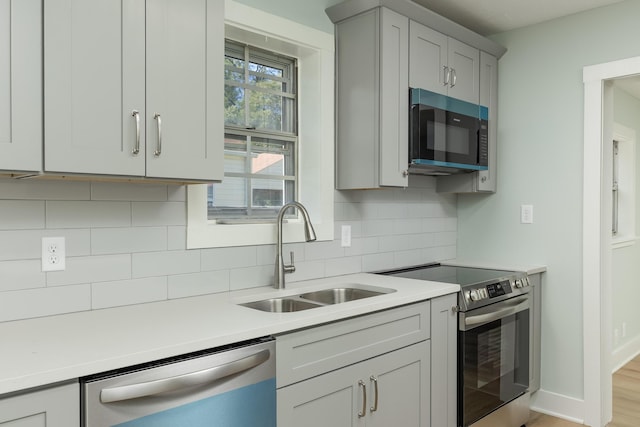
<point x="150" y="388"/>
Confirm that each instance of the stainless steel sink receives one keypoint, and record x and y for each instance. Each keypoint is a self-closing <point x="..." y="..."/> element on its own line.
<point x="307" y="300"/>
<point x="281" y="305"/>
<point x="346" y="294"/>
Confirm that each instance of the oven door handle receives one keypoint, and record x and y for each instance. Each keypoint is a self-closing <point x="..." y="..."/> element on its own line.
<point x="510" y="307"/>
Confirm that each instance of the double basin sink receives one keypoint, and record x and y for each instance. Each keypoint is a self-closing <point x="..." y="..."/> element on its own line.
<point x="314" y="299"/>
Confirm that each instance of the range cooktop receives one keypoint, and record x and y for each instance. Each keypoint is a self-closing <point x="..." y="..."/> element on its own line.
<point x="479" y="286"/>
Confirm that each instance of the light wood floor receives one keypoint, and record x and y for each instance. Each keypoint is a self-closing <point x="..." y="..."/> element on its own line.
<point x="626" y="401"/>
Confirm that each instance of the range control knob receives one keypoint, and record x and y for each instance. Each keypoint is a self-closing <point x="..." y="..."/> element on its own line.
<point x="518" y="283"/>
<point x="474" y="295"/>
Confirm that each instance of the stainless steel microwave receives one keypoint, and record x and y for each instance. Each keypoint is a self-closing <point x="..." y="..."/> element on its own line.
<point x="446" y="135"/>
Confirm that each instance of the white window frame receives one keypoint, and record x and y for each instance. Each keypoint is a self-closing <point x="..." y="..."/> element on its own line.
<point x="626" y="167"/>
<point x="314" y="50"/>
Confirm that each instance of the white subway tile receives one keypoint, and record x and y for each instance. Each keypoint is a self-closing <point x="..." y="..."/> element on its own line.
<point x="306" y="270"/>
<point x="377" y="227"/>
<point x="266" y="254"/>
<point x="356" y="229"/>
<point x="177" y="193"/>
<point x="378" y="262"/>
<point x="439" y="224"/>
<point x="88" y="214"/>
<point x="407" y="226"/>
<point x="128" y="292"/>
<point x="226" y="258"/>
<point x="440" y="253"/>
<point x="408" y="258"/>
<point x="159" y="213"/>
<point x="92" y="269"/>
<point x="363" y="246"/>
<point x="19" y="214"/>
<point x="323" y="250"/>
<point x="27" y="244"/>
<point x="207" y="282"/>
<point x="31" y="303"/>
<point x="345" y="265"/>
<point x="35" y="189"/>
<point x="25" y="274"/>
<point x="128" y="240"/>
<point x="393" y="242"/>
<point x="176" y="237"/>
<point x="150" y="264"/>
<point x="251" y="277"/>
<point x="127" y="191"/>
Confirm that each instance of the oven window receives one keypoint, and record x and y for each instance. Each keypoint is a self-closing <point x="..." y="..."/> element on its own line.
<point x="495" y="363"/>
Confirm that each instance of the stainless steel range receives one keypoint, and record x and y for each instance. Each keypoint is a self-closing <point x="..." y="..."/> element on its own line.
<point x="493" y="342"/>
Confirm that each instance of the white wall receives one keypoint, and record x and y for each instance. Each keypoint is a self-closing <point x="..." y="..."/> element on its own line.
<point x="540" y="137"/>
<point x="126" y="244"/>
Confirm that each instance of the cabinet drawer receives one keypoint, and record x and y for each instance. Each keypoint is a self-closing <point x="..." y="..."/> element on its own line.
<point x="314" y="351"/>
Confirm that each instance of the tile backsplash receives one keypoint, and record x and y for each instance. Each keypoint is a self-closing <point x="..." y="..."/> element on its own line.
<point x="126" y="244"/>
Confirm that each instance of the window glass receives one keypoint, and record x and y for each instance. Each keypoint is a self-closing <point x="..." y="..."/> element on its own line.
<point x="260" y="139"/>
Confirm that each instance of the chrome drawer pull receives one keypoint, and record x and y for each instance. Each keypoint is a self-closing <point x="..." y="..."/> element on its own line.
<point x="374" y="408"/>
<point x="159" y="145"/>
<point x="136" y="148"/>
<point x="363" y="412"/>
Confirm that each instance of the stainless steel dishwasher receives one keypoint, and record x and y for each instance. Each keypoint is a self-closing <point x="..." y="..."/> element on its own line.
<point x="232" y="386"/>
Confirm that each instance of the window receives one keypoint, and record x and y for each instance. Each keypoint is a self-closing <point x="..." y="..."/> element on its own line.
<point x="623" y="186"/>
<point x="260" y="135"/>
<point x="272" y="155"/>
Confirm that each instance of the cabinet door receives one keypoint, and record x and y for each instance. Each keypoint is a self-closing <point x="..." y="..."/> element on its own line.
<point x="53" y="407"/>
<point x="94" y="79"/>
<point x="464" y="61"/>
<point x="21" y="85"/>
<point x="427" y="58"/>
<point x="332" y="399"/>
<point x="489" y="98"/>
<point x="444" y="346"/>
<point x="402" y="395"/>
<point x="185" y="53"/>
<point x="394" y="99"/>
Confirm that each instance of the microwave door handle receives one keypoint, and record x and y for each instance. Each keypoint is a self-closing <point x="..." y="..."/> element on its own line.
<point x="164" y="385"/>
<point x="519" y="304"/>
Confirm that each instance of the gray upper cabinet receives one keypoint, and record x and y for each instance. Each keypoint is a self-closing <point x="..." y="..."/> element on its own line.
<point x="372" y="96"/>
<point x="134" y="88"/>
<point x="21" y="85"/>
<point x="442" y="64"/>
<point x="481" y="181"/>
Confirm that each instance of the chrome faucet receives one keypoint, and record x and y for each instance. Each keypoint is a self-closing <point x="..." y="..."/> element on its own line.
<point x="309" y="234"/>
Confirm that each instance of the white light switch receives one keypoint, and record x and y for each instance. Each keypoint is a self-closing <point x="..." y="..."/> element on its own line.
<point x="526" y="214"/>
<point x="345" y="242"/>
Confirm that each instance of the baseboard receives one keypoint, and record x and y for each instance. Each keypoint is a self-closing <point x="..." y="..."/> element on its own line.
<point x="558" y="405"/>
<point x="622" y="355"/>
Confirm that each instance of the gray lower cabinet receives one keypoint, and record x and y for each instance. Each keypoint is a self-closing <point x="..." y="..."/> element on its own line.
<point x="535" y="298"/>
<point x="134" y="88"/>
<point x="444" y="357"/>
<point x="373" y="370"/>
<point x="21" y="85"/>
<point x="387" y="390"/>
<point x="57" y="406"/>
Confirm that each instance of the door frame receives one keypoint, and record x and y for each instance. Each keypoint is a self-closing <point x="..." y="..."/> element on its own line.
<point x="596" y="253"/>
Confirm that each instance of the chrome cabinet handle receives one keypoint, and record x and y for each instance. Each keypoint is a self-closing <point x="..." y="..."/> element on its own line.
<point x="364" y="399"/>
<point x="150" y="388"/>
<point x="136" y="148"/>
<point x="374" y="408"/>
<point x="158" y="119"/>
<point x="454" y="77"/>
<point x="447" y="75"/>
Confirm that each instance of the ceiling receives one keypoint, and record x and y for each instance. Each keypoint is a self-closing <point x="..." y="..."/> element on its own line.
<point x="488" y="17"/>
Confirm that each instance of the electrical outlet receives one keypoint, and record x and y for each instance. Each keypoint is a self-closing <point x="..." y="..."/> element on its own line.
<point x="526" y="214"/>
<point x="345" y="242"/>
<point x="53" y="254"/>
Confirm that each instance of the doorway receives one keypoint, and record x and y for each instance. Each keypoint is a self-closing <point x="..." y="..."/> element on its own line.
<point x="597" y="239"/>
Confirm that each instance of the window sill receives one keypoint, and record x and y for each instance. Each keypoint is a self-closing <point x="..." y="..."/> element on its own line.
<point x="623" y="242"/>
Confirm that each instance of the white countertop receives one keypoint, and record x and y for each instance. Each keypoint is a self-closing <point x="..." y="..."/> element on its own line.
<point x="46" y="350"/>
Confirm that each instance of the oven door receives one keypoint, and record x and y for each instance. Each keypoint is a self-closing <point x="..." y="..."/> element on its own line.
<point x="493" y="359"/>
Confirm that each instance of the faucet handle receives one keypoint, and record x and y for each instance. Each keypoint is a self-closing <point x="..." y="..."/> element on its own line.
<point x="291" y="267"/>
